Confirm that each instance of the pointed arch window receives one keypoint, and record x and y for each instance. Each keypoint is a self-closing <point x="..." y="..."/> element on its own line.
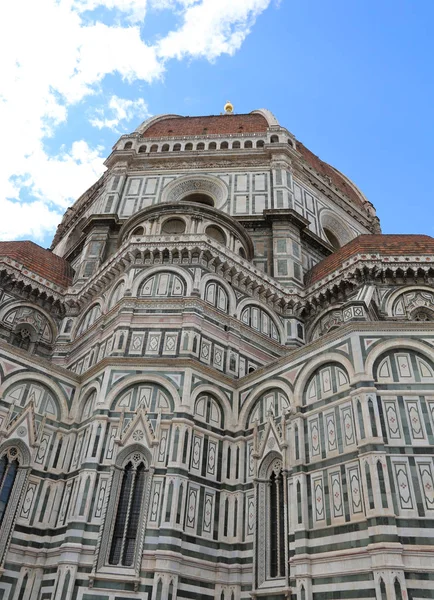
<point x="8" y="471"/>
<point x="277" y="525"/>
<point x="271" y="517"/>
<point x="127" y="516"/>
<point x="13" y="474"/>
<point x="397" y="588"/>
<point x="126" y="510"/>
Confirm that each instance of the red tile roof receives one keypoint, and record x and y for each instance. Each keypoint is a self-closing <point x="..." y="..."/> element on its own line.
<point x="329" y="172"/>
<point x="217" y="124"/>
<point x="39" y="261"/>
<point x="378" y="245"/>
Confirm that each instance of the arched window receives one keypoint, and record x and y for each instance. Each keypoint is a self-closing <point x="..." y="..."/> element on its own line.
<point x="212" y="146"/>
<point x="383" y="592"/>
<point x="189" y="146"/>
<point x="224" y="146"/>
<point x="154" y="148"/>
<point x="89" y="319"/>
<point x="380" y="475"/>
<point x="236" y="145"/>
<point x="126" y="527"/>
<point x="271" y="520"/>
<point x="332" y="239"/>
<point x="296" y="443"/>
<point x="165" y="148"/>
<point x="88" y="406"/>
<point x="163" y="284"/>
<point x="128" y="145"/>
<point x="259" y="319"/>
<point x="173" y="226"/>
<point x="200" y="146"/>
<point x="68" y="326"/>
<point x="422" y="315"/>
<point x="248" y="144"/>
<point x="277" y="525"/>
<point x="260" y="144"/>
<point x="398" y="591"/>
<point x="208" y="410"/>
<point x="200" y="198"/>
<point x="8" y="471"/>
<point x="216" y="234"/>
<point x="177" y="148"/>
<point x="138" y="231"/>
<point x="372" y="418"/>
<point x="361" y="421"/>
<point x="272" y="402"/>
<point x="171" y="591"/>
<point x="142" y="149"/>
<point x="369" y="486"/>
<point x="117" y="294"/>
<point x="274" y="139"/>
<point x="216" y="295"/>
<point x="179" y="507"/>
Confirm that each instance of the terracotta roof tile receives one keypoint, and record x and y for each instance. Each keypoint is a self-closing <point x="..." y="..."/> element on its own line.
<point x="329" y="172"/>
<point x="217" y="124"/>
<point x="382" y="244"/>
<point x="40" y="261"/>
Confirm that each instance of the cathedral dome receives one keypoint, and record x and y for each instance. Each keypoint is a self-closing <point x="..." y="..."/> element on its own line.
<point x="173" y="126"/>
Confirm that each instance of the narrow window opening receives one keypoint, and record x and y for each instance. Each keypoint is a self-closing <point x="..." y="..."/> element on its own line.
<point x="226" y="520"/>
<point x="398" y="591"/>
<point x="382" y="483"/>
<point x="369" y="486"/>
<point x="372" y="418"/>
<point x="179" y="508"/>
<point x="185" y="448"/>
<point x="96" y="442"/>
<point x="361" y="421"/>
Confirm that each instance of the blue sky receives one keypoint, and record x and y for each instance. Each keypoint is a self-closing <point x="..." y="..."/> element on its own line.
<point x="352" y="79"/>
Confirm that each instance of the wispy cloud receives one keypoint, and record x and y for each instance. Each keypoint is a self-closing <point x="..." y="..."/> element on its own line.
<point x="119" y="112"/>
<point x="60" y="55"/>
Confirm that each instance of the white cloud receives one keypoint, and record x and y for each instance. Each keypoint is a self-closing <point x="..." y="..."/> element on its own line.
<point x="56" y="54"/>
<point x="212" y="28"/>
<point x="121" y="111"/>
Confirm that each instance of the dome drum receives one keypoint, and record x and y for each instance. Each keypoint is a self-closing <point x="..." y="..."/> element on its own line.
<point x="189" y="218"/>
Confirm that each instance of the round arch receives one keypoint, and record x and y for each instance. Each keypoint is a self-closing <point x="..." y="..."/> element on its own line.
<point x="304" y="375"/>
<point x="79" y="404"/>
<point x="184" y="274"/>
<point x="259" y="391"/>
<point x="231" y="294"/>
<point x="228" y="415"/>
<point x="78" y="323"/>
<point x="267" y="461"/>
<point x="187" y="185"/>
<point x="317" y="321"/>
<point x="336" y="226"/>
<point x="143" y="379"/>
<point x="16" y="305"/>
<point x="393" y="297"/>
<point x="124" y="454"/>
<point x="38" y="378"/>
<point x="22" y="448"/>
<point x="273" y="316"/>
<point x="111" y="293"/>
<point x="399" y="344"/>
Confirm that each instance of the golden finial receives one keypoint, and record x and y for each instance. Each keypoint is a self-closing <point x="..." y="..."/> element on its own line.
<point x="229" y="108"/>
